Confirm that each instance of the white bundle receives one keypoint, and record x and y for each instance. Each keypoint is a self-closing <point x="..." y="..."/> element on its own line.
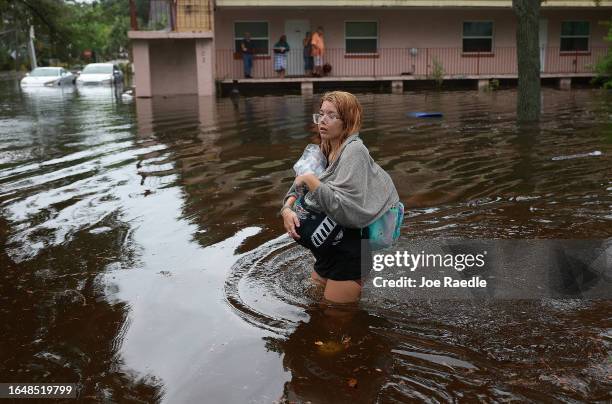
<point x="313" y="161"/>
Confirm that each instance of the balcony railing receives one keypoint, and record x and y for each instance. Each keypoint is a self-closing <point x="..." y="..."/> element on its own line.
<point x="171" y="15"/>
<point x="419" y="62"/>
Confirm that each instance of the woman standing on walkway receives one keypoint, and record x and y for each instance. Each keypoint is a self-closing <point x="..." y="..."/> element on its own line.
<point x="317" y="52"/>
<point x="308" y="62"/>
<point x="280" y="56"/>
<point x="352" y="193"/>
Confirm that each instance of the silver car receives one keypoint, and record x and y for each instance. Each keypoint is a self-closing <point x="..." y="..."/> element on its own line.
<point x="100" y="73"/>
<point x="48" y="76"/>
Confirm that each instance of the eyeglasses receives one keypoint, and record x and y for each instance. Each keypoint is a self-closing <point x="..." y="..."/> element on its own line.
<point x="318" y="118"/>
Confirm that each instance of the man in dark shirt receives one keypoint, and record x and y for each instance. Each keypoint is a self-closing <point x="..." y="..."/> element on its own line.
<point x="247" y="49"/>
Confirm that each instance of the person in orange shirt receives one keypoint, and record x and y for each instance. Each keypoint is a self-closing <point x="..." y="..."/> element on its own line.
<point x="317" y="51"/>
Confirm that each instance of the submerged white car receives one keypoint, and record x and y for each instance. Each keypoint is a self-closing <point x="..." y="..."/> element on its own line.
<point x="100" y="73"/>
<point x="48" y="76"/>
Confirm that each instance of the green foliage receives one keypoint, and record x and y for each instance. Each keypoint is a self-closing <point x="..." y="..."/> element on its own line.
<point x="437" y="72"/>
<point x="603" y="68"/>
<point x="100" y="26"/>
<point x="125" y="68"/>
<point x="65" y="28"/>
<point x="6" y="62"/>
<point x="493" y="85"/>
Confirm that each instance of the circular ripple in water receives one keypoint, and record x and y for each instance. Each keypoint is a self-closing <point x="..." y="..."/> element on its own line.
<point x="430" y="351"/>
<point x="268" y="286"/>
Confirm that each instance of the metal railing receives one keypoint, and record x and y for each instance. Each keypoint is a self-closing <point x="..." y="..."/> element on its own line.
<point x="171" y="15"/>
<point x="419" y="62"/>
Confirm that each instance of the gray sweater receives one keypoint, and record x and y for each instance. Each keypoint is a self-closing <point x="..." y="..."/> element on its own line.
<point x="354" y="190"/>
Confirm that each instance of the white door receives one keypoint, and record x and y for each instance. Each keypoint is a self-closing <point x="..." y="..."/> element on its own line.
<point x="295" y="31"/>
<point x="543" y="42"/>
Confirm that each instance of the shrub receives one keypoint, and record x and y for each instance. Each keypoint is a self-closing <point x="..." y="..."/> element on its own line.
<point x="437" y="72"/>
<point x="603" y="67"/>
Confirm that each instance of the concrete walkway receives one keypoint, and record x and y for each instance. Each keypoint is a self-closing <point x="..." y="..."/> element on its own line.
<point x="397" y="78"/>
<point x="397" y="82"/>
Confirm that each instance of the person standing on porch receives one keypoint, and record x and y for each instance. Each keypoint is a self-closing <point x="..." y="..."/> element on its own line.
<point x="318" y="50"/>
<point x="280" y="56"/>
<point x="247" y="49"/>
<point x="308" y="63"/>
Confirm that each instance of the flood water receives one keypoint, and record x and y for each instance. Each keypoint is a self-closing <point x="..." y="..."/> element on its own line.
<point x="141" y="256"/>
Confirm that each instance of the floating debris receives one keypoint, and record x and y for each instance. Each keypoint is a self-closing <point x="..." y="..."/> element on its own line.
<point x="128" y="95"/>
<point x="425" y="114"/>
<point x="575" y="156"/>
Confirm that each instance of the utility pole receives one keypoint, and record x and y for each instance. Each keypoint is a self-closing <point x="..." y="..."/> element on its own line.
<point x="31" y="48"/>
<point x="16" y="50"/>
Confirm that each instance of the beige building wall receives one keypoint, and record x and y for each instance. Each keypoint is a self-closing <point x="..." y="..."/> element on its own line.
<point x="187" y="63"/>
<point x="401" y="28"/>
<point x="437" y="33"/>
<point x="173" y="66"/>
<point x="205" y="66"/>
<point x="142" y="68"/>
<point x="403" y="3"/>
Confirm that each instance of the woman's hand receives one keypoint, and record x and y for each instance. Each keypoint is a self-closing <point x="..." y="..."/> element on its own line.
<point x="291" y="222"/>
<point x="310" y="180"/>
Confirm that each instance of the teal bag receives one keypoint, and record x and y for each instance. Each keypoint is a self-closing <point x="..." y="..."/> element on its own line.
<point x="386" y="229"/>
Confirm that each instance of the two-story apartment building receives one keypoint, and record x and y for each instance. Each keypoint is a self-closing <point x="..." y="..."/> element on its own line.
<point x="391" y="40"/>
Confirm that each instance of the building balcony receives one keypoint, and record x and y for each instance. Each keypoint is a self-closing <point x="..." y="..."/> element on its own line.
<point x="414" y="64"/>
<point x="151" y="19"/>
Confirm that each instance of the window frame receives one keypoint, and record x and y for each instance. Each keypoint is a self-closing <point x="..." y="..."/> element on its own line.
<point x="492" y="37"/>
<point x="588" y="37"/>
<point x="255" y="55"/>
<point x="348" y="54"/>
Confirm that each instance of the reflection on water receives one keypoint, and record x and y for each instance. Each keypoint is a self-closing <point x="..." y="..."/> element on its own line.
<point x="338" y="354"/>
<point x="396" y="349"/>
<point x="141" y="255"/>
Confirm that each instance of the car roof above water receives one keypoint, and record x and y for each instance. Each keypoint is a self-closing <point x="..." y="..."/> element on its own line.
<point x="47" y="68"/>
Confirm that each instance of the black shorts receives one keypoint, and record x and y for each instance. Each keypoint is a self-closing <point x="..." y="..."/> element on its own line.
<point x="339" y="251"/>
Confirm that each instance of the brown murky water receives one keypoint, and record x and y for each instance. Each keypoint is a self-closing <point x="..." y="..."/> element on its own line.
<point x="142" y="258"/>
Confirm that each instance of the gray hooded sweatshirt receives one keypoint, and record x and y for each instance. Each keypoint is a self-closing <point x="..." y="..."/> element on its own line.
<point x="354" y="190"/>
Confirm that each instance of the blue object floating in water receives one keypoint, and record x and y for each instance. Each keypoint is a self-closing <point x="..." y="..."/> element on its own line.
<point x="425" y="114"/>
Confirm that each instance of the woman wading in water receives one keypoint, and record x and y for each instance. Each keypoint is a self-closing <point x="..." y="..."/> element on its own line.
<point x="332" y="217"/>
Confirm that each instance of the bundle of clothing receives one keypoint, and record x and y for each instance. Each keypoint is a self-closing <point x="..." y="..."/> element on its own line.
<point x="376" y="215"/>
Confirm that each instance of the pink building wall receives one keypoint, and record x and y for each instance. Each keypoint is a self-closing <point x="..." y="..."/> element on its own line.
<point x="142" y="68"/>
<point x="406" y="27"/>
<point x="401" y="29"/>
<point x="595" y="16"/>
<point x="188" y="63"/>
<point x="173" y="66"/>
<point x="205" y="66"/>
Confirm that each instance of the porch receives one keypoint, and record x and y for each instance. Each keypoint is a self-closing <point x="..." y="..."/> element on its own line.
<point x="416" y="64"/>
<point x="173" y="47"/>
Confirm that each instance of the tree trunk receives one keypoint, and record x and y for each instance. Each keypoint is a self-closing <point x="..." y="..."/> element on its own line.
<point x="528" y="58"/>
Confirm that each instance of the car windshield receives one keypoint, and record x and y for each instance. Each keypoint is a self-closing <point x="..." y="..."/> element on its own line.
<point x="98" y="69"/>
<point x="45" y="72"/>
